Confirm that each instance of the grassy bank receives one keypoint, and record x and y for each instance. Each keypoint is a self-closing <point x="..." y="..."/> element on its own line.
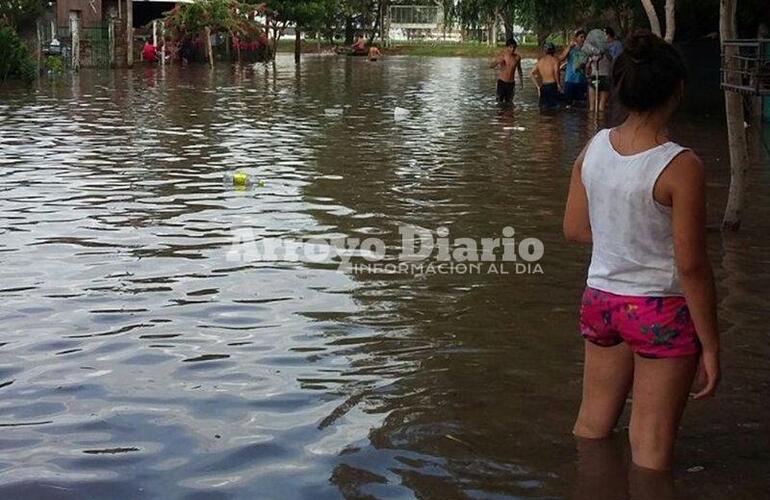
<point x="438" y="49"/>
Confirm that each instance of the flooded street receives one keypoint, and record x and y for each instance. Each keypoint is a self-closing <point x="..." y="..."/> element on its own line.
<point x="139" y="360"/>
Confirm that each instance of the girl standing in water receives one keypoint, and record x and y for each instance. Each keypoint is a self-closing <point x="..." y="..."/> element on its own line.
<point x="648" y="314"/>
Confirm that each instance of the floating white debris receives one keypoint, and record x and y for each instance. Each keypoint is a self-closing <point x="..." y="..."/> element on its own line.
<point x="697" y="468"/>
<point x="400" y="113"/>
<point x="333" y="111"/>
<point x="515" y="129"/>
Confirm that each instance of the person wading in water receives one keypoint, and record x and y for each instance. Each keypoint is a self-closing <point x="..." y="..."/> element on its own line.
<point x="508" y="62"/>
<point x="648" y="314"/>
<point x="546" y="76"/>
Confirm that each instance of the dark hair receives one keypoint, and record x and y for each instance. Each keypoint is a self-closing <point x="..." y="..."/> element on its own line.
<point x="648" y="72"/>
<point x="609" y="31"/>
<point x="580" y="32"/>
<point x="511" y="43"/>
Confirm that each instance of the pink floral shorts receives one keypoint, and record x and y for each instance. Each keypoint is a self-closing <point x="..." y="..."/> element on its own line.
<point x="653" y="327"/>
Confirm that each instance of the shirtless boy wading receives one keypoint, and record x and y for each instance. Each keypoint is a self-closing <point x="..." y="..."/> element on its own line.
<point x="508" y="62"/>
<point x="546" y="76"/>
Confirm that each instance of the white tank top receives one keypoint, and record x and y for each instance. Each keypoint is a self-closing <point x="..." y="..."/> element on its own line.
<point x="633" y="245"/>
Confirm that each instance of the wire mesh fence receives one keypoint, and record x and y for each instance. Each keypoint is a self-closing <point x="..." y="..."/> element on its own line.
<point x="94" y="45"/>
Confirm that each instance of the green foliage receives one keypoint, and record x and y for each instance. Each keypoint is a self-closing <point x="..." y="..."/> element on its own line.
<point x="307" y="14"/>
<point x="54" y="64"/>
<point x="15" y="61"/>
<point x="227" y="16"/>
<point x="21" y="13"/>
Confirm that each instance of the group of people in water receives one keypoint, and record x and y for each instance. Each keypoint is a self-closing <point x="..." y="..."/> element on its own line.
<point x="183" y="50"/>
<point x="648" y="313"/>
<point x="583" y="75"/>
<point x="359" y="48"/>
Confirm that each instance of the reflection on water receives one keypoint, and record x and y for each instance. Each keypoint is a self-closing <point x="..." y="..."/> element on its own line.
<point x="138" y="362"/>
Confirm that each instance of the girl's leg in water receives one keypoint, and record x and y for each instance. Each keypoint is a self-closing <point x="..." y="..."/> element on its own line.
<point x="604" y="96"/>
<point x="661" y="388"/>
<point x="607" y="377"/>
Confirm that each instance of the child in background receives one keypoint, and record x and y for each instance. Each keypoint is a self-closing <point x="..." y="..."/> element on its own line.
<point x="648" y="314"/>
<point x="374" y="53"/>
<point x="149" y="52"/>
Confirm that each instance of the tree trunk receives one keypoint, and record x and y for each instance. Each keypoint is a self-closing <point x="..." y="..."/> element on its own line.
<point x="236" y="42"/>
<point x="39" y="46"/>
<point x="736" y="132"/>
<point x="670" y="20"/>
<point x="376" y="28"/>
<point x="491" y="34"/>
<point x="508" y="29"/>
<point x="542" y="36"/>
<point x="297" y="45"/>
<point x="649" y="8"/>
<point x="349" y="31"/>
<point x="209" y="52"/>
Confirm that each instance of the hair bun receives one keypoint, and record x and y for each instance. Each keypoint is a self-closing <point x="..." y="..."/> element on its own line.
<point x="648" y="73"/>
<point x="641" y="46"/>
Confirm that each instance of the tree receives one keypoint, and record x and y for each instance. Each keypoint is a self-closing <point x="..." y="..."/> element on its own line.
<point x="303" y="14"/>
<point x="736" y="132"/>
<point x="21" y="14"/>
<point x="652" y="15"/>
<point x="545" y="17"/>
<point x="204" y="17"/>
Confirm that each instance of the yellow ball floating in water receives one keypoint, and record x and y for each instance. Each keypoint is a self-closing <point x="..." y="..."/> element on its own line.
<point x="240" y="179"/>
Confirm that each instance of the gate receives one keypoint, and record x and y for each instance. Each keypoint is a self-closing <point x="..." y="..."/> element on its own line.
<point x="94" y="46"/>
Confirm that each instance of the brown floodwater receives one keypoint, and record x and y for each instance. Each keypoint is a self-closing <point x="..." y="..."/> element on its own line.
<point x="139" y="359"/>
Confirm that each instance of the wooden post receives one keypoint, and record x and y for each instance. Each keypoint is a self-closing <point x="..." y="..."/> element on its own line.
<point x="129" y="33"/>
<point x="111" y="40"/>
<point x="209" y="52"/>
<point x="155" y="34"/>
<point x="297" y="45"/>
<point x="39" y="46"/>
<point x="75" y="34"/>
<point x="163" y="46"/>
